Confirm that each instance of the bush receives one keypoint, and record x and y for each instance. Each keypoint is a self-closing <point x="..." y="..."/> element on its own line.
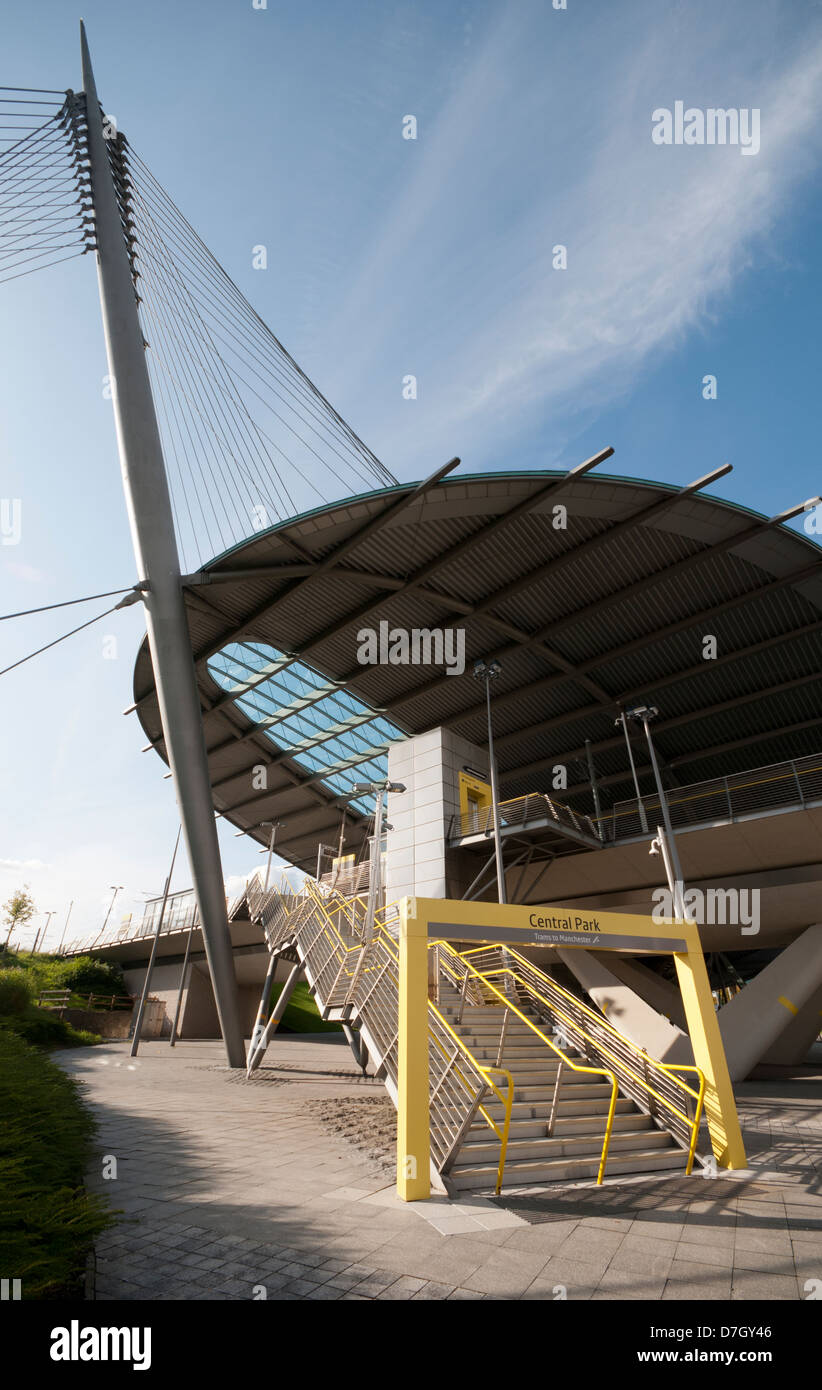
<point x="45" y="1029"/>
<point x="15" y="992"/>
<point x="83" y="975"/>
<point x="48" y="1222"/>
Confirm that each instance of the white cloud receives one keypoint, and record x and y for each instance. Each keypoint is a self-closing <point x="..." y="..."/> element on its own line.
<point x="457" y="284"/>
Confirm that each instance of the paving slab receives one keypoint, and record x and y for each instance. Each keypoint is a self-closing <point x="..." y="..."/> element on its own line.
<point x="226" y="1185"/>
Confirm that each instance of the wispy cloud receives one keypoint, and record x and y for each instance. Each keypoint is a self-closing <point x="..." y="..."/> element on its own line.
<point x="28" y="573"/>
<point x="458" y="286"/>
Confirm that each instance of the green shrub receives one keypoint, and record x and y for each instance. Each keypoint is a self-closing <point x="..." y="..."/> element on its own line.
<point x="15" y="992"/>
<point x="83" y="975"/>
<point x="48" y="1222"/>
<point x="45" y="1029"/>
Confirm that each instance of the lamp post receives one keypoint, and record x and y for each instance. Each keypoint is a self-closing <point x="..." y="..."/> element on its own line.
<point x="274" y="825"/>
<point x="65" y="925"/>
<point x="118" y="888"/>
<point x="138" y="1022"/>
<point x="643" y="714"/>
<point x="643" y="819"/>
<point x="380" y="789"/>
<point x="488" y="671"/>
<point x="41" y="935"/>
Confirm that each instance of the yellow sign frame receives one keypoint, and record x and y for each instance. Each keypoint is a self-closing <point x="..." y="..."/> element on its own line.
<point x="431" y="919"/>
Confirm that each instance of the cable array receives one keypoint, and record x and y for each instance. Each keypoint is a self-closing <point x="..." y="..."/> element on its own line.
<point x="248" y="438"/>
<point x="45" y="196"/>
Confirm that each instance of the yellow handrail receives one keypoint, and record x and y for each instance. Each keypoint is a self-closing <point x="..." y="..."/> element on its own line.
<point x="311" y="891"/>
<point x="506" y="1101"/>
<point x="602" y="1022"/>
<point x="568" y="1061"/>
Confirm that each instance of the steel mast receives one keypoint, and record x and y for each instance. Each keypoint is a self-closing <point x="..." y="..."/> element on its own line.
<point x="155" y="550"/>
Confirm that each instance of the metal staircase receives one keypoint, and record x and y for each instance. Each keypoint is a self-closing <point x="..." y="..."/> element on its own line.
<point x="527" y="1083"/>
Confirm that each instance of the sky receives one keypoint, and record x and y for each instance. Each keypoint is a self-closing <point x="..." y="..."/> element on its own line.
<point x="388" y="257"/>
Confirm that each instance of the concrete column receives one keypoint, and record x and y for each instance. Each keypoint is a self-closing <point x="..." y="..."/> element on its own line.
<point x="661" y="994"/>
<point x="417" y="859"/>
<point x="756" y="1018"/>
<point x="622" y="1006"/>
<point x="798" y="1036"/>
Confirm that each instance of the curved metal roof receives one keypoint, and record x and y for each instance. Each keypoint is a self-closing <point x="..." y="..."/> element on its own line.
<point x="593" y="591"/>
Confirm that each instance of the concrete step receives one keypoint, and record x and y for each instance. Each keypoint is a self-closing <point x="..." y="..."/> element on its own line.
<point x="526" y="1050"/>
<point x="491" y="1032"/>
<point x="571" y="1109"/>
<point x="526" y="1127"/>
<point x="474" y="1152"/>
<point x="539" y="1084"/>
<point x="532" y="1172"/>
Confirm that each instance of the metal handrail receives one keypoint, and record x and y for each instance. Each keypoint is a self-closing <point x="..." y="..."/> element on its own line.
<point x="611" y="1050"/>
<point x="605" y="828"/>
<point x="459" y="1081"/>
<point x="451" y="955"/>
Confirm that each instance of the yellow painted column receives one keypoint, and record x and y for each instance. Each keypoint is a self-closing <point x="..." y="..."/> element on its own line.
<point x="709" y="1055"/>
<point x="413" y="1122"/>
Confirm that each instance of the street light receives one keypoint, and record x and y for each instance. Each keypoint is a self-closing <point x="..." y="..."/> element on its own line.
<point x="65" y="925"/>
<point x="42" y="933"/>
<point x="117" y="888"/>
<point x="380" y="789"/>
<point x="666" y="840"/>
<point x="274" y="824"/>
<point x="488" y="671"/>
<point x="643" y="819"/>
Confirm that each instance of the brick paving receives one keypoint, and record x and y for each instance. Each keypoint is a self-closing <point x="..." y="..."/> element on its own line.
<point x="231" y="1189"/>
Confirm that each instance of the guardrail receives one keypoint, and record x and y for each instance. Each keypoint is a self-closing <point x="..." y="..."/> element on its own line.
<point x="651" y="1084"/>
<point x="774" y="788"/>
<point x="362" y="981"/>
<point x="781" y="786"/>
<point x="536" y="806"/>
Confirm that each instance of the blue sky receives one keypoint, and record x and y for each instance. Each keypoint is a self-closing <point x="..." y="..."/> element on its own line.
<point x="387" y="257"/>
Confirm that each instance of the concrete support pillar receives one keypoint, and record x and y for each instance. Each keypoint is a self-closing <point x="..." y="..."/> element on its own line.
<point x="798" y="1036"/>
<point x="417" y="858"/>
<point x="622" y="1006"/>
<point x="662" y="995"/>
<point x="756" y="1018"/>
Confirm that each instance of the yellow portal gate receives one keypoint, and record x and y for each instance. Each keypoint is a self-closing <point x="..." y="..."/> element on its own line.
<point x="432" y="919"/>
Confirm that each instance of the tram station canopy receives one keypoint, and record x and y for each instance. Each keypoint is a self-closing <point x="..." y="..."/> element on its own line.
<point x="594" y="592"/>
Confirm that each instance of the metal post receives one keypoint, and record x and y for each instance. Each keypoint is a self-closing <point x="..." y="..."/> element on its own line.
<point x="673" y="865"/>
<point x="155" y="549"/>
<point x="492" y="764"/>
<point x="355" y="1042"/>
<point x="182" y="987"/>
<point x="65" y="925"/>
<point x="594" y="787"/>
<point x="255" y="1058"/>
<point x="374" y="870"/>
<point x="257" y="1030"/>
<point x="274" y="825"/>
<point x="643" y="819"/>
<point x="138" y="1022"/>
<point x="102" y="930"/>
<point x="42" y="933"/>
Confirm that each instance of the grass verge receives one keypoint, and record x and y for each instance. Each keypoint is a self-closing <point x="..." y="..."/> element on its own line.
<point x="48" y="1222"/>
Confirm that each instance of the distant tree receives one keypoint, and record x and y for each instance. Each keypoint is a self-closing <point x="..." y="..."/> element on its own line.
<point x="18" y="911"/>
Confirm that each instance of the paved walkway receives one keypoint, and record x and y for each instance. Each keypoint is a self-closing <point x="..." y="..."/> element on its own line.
<point x="235" y="1189"/>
